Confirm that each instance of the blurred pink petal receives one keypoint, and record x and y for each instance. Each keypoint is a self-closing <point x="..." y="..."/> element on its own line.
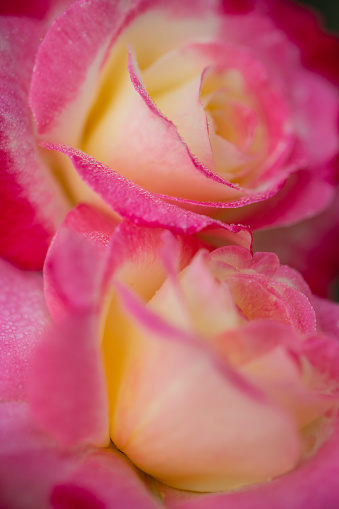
<point x="30" y="463"/>
<point x="24" y="318"/>
<point x="316" y="242"/>
<point x="40" y="9"/>
<point x="67" y="390"/>
<point x="36" y="473"/>
<point x="319" y="50"/>
<point x="328" y="315"/>
<point x="105" y="480"/>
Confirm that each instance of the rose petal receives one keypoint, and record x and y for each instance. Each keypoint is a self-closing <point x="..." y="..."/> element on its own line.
<point x="30" y="463"/>
<point x="137" y="256"/>
<point x="183" y="389"/>
<point x="31" y="203"/>
<point x="316" y="98"/>
<point x="243" y="344"/>
<point x="316" y="242"/>
<point x="195" y="301"/>
<point x="328" y="315"/>
<point x="75" y="46"/>
<point x="274" y="28"/>
<point x="157" y="146"/>
<point x="279" y="375"/>
<point x="295" y="490"/>
<point x="24" y="317"/>
<point x="301" y="197"/>
<point x="67" y="390"/>
<point x="35" y="472"/>
<point x="75" y="264"/>
<point x="78" y="41"/>
<point x="40" y="9"/>
<point x="104" y="480"/>
<point x="323" y="353"/>
<point x="266" y="263"/>
<point x="163" y="331"/>
<point x="140" y="206"/>
<point x="263" y="289"/>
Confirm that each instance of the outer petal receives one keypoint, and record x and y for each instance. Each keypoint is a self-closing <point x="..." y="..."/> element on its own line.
<point x="67" y="363"/>
<point x="29" y="462"/>
<point x="311" y="486"/>
<point x="24" y="317"/>
<point x="36" y="473"/>
<point x="315" y="98"/>
<point x="31" y="206"/>
<point x="75" y="46"/>
<point x="67" y="387"/>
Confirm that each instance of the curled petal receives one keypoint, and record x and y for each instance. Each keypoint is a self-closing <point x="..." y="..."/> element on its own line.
<point x="301" y="197"/>
<point x="142" y="207"/>
<point x="74" y="46"/>
<point x="75" y="264"/>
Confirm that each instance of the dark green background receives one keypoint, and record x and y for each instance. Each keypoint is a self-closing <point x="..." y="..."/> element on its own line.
<point x="329" y="10"/>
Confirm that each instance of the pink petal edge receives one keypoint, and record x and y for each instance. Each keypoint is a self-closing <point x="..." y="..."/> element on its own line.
<point x="143" y="208"/>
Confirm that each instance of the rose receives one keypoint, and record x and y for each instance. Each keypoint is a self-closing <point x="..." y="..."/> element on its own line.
<point x="171" y="411"/>
<point x="205" y="112"/>
<point x="278" y="158"/>
<point x="213" y="333"/>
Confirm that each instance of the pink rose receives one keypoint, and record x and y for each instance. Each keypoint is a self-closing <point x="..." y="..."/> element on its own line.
<point x="210" y="370"/>
<point x="210" y="114"/>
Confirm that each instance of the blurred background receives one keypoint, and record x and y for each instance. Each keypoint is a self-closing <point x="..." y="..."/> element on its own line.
<point x="329" y="10"/>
